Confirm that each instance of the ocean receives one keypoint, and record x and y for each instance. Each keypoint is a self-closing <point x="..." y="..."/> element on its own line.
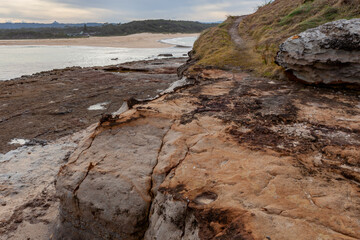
<point x="16" y="61"/>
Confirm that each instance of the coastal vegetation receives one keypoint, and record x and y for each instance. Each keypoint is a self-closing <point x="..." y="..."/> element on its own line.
<point x="151" y="26"/>
<point x="265" y="30"/>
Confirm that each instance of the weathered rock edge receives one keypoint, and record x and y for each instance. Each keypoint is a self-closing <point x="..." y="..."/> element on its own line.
<point x="328" y="54"/>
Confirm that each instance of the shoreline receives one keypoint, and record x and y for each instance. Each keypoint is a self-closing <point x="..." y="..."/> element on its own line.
<point x="139" y="40"/>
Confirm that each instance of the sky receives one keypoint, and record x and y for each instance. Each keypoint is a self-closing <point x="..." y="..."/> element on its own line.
<point x="116" y="11"/>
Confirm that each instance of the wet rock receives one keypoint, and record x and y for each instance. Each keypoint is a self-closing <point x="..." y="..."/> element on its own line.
<point x="38" y="107"/>
<point x="165" y="55"/>
<point x="328" y="54"/>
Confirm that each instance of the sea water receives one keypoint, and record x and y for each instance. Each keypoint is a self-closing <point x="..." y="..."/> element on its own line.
<point x="16" y="61"/>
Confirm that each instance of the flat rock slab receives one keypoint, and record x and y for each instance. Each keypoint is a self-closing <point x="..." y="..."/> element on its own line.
<point x="328" y="54"/>
<point x="233" y="157"/>
<point x="57" y="103"/>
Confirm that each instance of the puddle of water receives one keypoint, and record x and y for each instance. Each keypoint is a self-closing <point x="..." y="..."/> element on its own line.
<point x="99" y="106"/>
<point x="18" y="141"/>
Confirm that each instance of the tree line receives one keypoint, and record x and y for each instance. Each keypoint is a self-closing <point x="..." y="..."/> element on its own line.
<point x="151" y="26"/>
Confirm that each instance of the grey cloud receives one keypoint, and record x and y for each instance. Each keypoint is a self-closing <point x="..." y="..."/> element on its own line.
<point x="127" y="10"/>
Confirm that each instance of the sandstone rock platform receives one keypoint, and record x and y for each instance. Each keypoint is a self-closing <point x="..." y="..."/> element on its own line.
<point x="232" y="157"/>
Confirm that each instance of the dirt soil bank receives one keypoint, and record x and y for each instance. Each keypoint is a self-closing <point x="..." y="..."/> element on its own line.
<point x="53" y="104"/>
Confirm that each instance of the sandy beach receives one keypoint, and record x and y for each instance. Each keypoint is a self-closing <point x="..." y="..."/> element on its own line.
<point x="140" y="40"/>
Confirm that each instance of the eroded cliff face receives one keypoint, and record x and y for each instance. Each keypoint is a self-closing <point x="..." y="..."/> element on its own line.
<point x="232" y="157"/>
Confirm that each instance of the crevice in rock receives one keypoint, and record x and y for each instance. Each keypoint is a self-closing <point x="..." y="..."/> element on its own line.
<point x="184" y="222"/>
<point x="157" y="161"/>
<point x="91" y="166"/>
<point x="14" y="116"/>
<point x="77" y="158"/>
<point x="150" y="192"/>
<point x="180" y="161"/>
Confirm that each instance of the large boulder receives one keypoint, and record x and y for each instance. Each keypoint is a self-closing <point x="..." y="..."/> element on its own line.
<point x="328" y="54"/>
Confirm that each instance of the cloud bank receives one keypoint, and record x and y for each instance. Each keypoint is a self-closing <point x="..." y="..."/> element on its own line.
<point x="122" y="10"/>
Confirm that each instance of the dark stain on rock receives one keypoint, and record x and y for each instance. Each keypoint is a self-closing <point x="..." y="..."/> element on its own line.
<point x="124" y="69"/>
<point x="175" y="192"/>
<point x="221" y="224"/>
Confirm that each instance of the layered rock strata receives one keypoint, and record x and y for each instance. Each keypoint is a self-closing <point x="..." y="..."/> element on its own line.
<point x="233" y="157"/>
<point x="329" y="54"/>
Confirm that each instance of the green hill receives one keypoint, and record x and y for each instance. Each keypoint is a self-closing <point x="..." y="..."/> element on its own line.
<point x="264" y="30"/>
<point x="151" y="26"/>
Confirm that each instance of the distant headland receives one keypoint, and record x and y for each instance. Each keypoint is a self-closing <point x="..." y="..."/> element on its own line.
<point x="75" y="30"/>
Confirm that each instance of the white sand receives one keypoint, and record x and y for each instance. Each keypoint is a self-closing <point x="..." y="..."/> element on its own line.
<point x="141" y="40"/>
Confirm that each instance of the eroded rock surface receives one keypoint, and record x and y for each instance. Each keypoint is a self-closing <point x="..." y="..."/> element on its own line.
<point x="328" y="54"/>
<point x="28" y="206"/>
<point x="233" y="157"/>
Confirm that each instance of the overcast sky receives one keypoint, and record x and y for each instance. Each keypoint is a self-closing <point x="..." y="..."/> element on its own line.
<point x="115" y="11"/>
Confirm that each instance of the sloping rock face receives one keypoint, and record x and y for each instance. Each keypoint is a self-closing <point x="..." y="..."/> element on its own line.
<point x="233" y="157"/>
<point x="328" y="54"/>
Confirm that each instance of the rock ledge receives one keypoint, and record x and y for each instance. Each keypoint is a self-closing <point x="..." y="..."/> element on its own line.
<point x="328" y="54"/>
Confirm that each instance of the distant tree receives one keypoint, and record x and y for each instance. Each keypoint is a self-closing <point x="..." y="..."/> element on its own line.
<point x="85" y="28"/>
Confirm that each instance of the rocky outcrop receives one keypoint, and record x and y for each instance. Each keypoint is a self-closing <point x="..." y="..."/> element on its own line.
<point x="53" y="104"/>
<point x="233" y="157"/>
<point x="328" y="54"/>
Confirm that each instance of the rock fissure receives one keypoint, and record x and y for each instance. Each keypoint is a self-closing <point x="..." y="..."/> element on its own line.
<point x="157" y="161"/>
<point x="89" y="168"/>
<point x="178" y="163"/>
<point x="87" y="148"/>
<point x="150" y="191"/>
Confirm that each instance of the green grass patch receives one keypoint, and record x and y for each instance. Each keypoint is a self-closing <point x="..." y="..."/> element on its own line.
<point x="265" y="30"/>
<point x="290" y="18"/>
